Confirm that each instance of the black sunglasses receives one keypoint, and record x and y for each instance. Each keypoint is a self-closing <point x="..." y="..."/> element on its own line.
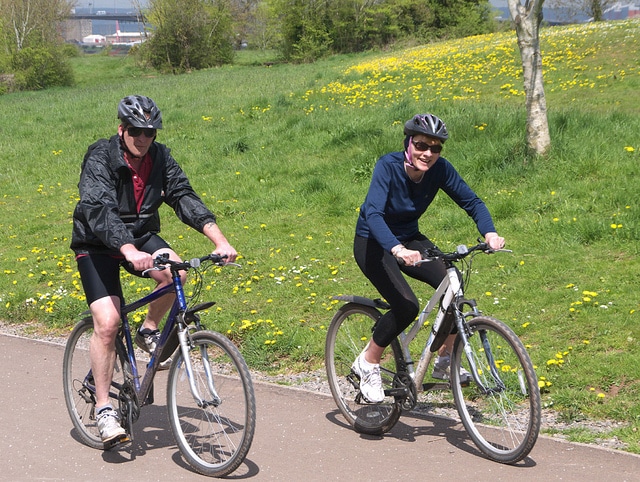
<point x="423" y="146"/>
<point x="137" y="131"/>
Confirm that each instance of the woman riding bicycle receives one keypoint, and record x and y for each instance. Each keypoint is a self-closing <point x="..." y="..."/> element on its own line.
<point x="123" y="183"/>
<point x="388" y="241"/>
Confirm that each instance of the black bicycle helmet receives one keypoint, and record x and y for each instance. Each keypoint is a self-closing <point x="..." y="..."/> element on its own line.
<point x="428" y="125"/>
<point x="140" y="111"/>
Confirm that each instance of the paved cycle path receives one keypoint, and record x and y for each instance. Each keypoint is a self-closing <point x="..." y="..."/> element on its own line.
<point x="300" y="436"/>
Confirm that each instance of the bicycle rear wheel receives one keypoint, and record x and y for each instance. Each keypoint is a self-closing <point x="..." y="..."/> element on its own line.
<point x="504" y="419"/>
<point x="214" y="438"/>
<point x="77" y="382"/>
<point x="348" y="334"/>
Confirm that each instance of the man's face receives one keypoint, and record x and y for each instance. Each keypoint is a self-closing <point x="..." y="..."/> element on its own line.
<point x="137" y="140"/>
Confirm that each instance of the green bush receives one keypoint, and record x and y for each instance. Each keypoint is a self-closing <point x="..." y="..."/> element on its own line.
<point x="39" y="68"/>
<point x="188" y="35"/>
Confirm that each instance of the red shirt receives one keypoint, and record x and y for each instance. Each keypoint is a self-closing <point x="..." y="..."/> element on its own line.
<point x="140" y="177"/>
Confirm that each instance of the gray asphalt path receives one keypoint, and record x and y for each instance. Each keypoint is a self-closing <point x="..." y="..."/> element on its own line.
<point x="299" y="436"/>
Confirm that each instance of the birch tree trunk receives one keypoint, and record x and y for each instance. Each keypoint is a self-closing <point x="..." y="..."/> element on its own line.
<point x="527" y="19"/>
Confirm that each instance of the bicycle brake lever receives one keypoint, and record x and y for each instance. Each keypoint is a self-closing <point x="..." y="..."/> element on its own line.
<point x="423" y="260"/>
<point x="155" y="268"/>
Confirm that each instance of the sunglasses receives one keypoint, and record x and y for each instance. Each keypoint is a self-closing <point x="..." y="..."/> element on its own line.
<point x="423" y="146"/>
<point x="137" y="131"/>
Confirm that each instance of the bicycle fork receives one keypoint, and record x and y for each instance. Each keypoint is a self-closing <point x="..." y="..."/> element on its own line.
<point x="473" y="367"/>
<point x="185" y="344"/>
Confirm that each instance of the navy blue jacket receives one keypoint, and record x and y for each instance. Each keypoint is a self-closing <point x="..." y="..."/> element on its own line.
<point x="395" y="203"/>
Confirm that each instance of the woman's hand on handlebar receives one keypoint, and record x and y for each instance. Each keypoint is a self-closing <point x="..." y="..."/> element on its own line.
<point x="494" y="241"/>
<point x="408" y="257"/>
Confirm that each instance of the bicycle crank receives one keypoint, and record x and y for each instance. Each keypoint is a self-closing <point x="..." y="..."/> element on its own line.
<point x="409" y="399"/>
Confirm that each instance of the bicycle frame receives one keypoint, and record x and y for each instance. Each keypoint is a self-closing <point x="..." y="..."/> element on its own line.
<point x="448" y="292"/>
<point x="144" y="387"/>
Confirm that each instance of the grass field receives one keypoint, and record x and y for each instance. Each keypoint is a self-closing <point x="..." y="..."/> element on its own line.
<point x="283" y="155"/>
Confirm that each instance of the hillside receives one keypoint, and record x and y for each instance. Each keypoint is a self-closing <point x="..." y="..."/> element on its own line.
<point x="283" y="155"/>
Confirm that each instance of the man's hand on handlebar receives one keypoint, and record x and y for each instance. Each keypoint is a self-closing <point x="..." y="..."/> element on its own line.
<point x="139" y="260"/>
<point x="226" y="250"/>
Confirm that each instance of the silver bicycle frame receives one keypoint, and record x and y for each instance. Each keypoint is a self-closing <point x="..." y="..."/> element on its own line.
<point x="447" y="290"/>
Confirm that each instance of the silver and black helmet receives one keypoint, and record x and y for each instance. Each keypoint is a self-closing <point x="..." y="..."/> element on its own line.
<point x="428" y="125"/>
<point x="140" y="111"/>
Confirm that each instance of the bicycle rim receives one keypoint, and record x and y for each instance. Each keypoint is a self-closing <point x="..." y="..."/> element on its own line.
<point x="79" y="394"/>
<point x="214" y="439"/>
<point x="348" y="334"/>
<point x="503" y="422"/>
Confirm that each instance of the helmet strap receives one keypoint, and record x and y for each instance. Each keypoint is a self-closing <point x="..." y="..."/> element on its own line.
<point x="407" y="155"/>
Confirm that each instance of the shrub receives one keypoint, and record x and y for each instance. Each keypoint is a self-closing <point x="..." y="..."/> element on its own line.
<point x="39" y="68"/>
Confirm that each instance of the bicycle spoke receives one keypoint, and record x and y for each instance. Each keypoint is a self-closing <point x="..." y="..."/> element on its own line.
<point x="214" y="437"/>
<point x="348" y="334"/>
<point x="502" y="415"/>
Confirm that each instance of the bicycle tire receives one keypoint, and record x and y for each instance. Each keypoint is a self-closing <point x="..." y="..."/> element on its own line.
<point x="348" y="334"/>
<point x="214" y="440"/>
<point x="79" y="396"/>
<point x="505" y="422"/>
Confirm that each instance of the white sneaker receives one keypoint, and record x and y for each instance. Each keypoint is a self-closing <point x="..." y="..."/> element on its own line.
<point x="370" y="380"/>
<point x="109" y="426"/>
<point x="442" y="370"/>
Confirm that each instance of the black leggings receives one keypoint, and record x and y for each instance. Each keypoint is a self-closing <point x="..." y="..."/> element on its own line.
<point x="385" y="273"/>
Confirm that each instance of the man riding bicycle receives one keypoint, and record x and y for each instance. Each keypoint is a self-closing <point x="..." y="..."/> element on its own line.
<point x="123" y="182"/>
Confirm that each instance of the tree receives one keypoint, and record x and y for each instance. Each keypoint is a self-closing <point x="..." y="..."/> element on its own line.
<point x="188" y="34"/>
<point x="31" y="44"/>
<point x="263" y="33"/>
<point x="527" y="20"/>
<point x="244" y="14"/>
<point x="303" y="25"/>
<point x="32" y="23"/>
<point x="460" y="18"/>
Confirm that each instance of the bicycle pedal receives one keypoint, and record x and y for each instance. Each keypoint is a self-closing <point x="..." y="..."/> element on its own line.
<point x="123" y="439"/>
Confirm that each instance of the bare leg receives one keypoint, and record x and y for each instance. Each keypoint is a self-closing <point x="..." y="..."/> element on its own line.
<point x="373" y="352"/>
<point x="159" y="307"/>
<point x="447" y="346"/>
<point x="102" y="351"/>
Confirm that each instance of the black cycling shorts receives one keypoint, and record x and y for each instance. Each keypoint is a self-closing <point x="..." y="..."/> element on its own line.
<point x="100" y="273"/>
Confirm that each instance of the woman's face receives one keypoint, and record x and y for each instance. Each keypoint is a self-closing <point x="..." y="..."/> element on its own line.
<point x="421" y="149"/>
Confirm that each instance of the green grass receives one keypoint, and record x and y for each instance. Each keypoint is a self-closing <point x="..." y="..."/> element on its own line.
<point x="283" y="155"/>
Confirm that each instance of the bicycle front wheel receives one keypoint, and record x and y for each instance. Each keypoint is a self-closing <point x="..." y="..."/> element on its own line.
<point x="78" y="385"/>
<point x="348" y="334"/>
<point x="503" y="416"/>
<point x="214" y="435"/>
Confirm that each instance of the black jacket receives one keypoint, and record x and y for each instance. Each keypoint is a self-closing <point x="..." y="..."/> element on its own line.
<point x="106" y="216"/>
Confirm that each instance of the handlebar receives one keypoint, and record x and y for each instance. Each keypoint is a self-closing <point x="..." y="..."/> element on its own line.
<point x="162" y="262"/>
<point x="461" y="252"/>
